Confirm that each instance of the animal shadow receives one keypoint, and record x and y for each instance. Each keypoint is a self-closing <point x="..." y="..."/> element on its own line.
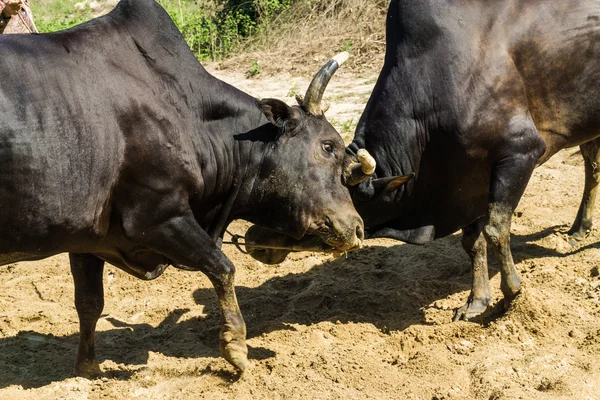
<point x="32" y="359"/>
<point x="390" y="287"/>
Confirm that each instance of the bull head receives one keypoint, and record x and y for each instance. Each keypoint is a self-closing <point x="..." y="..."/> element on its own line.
<point x="359" y="168"/>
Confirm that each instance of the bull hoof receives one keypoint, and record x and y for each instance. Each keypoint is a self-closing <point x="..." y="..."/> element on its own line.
<point x="88" y="370"/>
<point x="575" y="238"/>
<point x="511" y="287"/>
<point x="234" y="350"/>
<point x="471" y="309"/>
<point x="509" y="299"/>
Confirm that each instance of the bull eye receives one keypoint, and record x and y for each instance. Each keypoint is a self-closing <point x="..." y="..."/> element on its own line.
<point x="328" y="147"/>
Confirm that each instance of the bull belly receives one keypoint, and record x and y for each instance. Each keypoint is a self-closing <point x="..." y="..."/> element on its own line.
<point x="137" y="262"/>
<point x="451" y="222"/>
<point x="13" y="257"/>
<point x="31" y="236"/>
<point x="146" y="261"/>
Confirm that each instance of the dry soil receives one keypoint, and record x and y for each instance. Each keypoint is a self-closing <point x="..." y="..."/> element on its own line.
<point x="375" y="324"/>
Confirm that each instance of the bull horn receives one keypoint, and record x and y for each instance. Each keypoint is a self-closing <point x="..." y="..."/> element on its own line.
<point x="312" y="100"/>
<point x="360" y="171"/>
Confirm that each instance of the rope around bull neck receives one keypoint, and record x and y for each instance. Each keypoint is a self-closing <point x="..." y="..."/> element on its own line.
<point x="235" y="240"/>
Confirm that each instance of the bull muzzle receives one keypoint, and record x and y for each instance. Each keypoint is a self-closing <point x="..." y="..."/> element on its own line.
<point x="344" y="233"/>
<point x="270" y="247"/>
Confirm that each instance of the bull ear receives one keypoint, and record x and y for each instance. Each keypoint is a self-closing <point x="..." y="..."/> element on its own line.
<point x="286" y="118"/>
<point x="391" y="183"/>
<point x="372" y="187"/>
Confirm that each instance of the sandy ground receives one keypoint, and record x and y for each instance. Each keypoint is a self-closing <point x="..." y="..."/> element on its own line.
<point x="375" y="324"/>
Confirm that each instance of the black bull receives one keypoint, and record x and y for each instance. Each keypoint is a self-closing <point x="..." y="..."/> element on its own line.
<point x="471" y="98"/>
<point x="116" y="145"/>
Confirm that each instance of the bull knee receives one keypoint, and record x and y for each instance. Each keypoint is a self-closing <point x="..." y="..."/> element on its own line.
<point x="493" y="235"/>
<point x="222" y="277"/>
<point x="228" y="269"/>
<point x="89" y="309"/>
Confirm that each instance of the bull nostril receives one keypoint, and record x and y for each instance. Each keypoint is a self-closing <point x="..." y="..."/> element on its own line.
<point x="360" y="233"/>
<point x="328" y="222"/>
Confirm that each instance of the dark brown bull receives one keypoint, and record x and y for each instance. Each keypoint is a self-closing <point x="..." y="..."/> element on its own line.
<point x="472" y="97"/>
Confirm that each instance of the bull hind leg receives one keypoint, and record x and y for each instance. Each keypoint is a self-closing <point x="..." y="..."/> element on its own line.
<point x="583" y="222"/>
<point x="509" y="179"/>
<point x="473" y="242"/>
<point x="87" y="273"/>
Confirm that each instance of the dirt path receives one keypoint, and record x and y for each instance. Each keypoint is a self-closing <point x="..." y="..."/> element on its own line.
<point x="373" y="325"/>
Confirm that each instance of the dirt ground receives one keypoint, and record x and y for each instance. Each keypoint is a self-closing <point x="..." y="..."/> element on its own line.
<point x="375" y="324"/>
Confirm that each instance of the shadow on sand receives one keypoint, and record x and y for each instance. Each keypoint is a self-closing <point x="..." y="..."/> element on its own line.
<point x="389" y="287"/>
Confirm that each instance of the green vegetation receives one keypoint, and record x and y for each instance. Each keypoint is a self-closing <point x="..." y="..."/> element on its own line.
<point x="253" y="70"/>
<point x="294" y="90"/>
<point x="347" y="46"/>
<point x="212" y="28"/>
<point x="57" y="15"/>
<point x="267" y="36"/>
<point x="347" y="126"/>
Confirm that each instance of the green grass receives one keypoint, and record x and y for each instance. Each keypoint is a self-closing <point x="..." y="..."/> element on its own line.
<point x="294" y="90"/>
<point x="213" y="29"/>
<point x="254" y="69"/>
<point x="370" y="81"/>
<point x="347" y="126"/>
<point x="56" y="15"/>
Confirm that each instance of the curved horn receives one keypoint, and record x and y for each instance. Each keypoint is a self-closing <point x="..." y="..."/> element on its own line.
<point x="314" y="94"/>
<point x="356" y="172"/>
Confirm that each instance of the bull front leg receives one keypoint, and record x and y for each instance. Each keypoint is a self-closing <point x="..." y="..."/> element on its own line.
<point x="232" y="339"/>
<point x="510" y="175"/>
<point x="87" y="273"/>
<point x="183" y="241"/>
<point x="583" y="222"/>
<point x="497" y="233"/>
<point x="474" y="243"/>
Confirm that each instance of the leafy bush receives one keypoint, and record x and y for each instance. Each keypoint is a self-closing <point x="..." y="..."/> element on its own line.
<point x="287" y="33"/>
<point x="215" y="28"/>
<point x="212" y="28"/>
